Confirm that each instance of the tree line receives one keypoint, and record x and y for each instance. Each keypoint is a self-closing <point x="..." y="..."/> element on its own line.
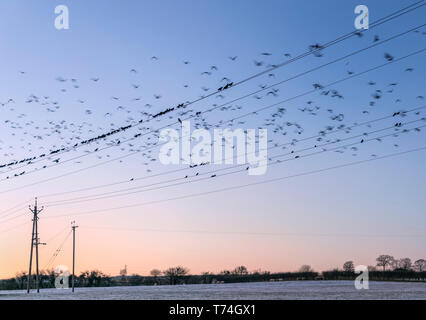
<point x="386" y="268"/>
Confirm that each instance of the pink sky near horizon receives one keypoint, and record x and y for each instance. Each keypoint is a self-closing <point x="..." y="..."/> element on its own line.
<point x="117" y="242"/>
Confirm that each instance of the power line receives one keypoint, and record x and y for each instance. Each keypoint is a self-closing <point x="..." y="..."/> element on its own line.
<point x="12" y="212"/>
<point x="20" y="205"/>
<point x="108" y="195"/>
<point x="14" y="227"/>
<point x="239" y="186"/>
<point x="217" y="107"/>
<point x="335" y="82"/>
<point x="328" y="44"/>
<point x="57" y="234"/>
<point x="14" y="217"/>
<point x="57" y="251"/>
<point x="235" y="156"/>
<point x="264" y="108"/>
<point x="247" y="233"/>
<point x="118" y="193"/>
<point x="378" y="22"/>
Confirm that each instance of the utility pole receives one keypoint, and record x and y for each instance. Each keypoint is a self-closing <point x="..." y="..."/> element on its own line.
<point x="73" y="226"/>
<point x="35" y="241"/>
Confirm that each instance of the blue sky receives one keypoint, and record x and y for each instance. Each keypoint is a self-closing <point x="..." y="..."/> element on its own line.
<point x="106" y="39"/>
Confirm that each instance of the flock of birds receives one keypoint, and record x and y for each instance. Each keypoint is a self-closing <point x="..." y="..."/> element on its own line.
<point x="71" y="135"/>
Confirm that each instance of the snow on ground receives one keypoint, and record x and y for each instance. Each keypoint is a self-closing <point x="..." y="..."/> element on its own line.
<point x="255" y="291"/>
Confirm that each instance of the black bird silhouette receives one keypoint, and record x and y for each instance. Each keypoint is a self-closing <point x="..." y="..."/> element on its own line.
<point x="388" y="57"/>
<point x="317" y="49"/>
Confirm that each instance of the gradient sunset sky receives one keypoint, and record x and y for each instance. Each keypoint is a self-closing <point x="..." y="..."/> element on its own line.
<point x="324" y="219"/>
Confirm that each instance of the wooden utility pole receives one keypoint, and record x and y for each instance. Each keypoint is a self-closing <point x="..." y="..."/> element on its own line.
<point x="35" y="241"/>
<point x="73" y="226"/>
<point x="31" y="255"/>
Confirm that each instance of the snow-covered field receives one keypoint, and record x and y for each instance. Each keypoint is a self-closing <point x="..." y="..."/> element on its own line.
<point x="259" y="290"/>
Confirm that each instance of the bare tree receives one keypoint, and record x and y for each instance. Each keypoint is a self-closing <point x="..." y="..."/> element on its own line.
<point x="94" y="278"/>
<point x="420" y="265"/>
<point x="21" y="279"/>
<point x="394" y="264"/>
<point x="306" y="268"/>
<point x="155" y="272"/>
<point x="349" y="266"/>
<point x="240" y="271"/>
<point x="384" y="260"/>
<point x="174" y="274"/>
<point x="404" y="263"/>
<point x="206" y="276"/>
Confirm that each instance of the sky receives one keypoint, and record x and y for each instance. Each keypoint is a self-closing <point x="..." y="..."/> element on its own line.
<point x="323" y="219"/>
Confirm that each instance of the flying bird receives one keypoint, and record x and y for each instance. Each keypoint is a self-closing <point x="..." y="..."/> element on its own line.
<point x="389" y="57"/>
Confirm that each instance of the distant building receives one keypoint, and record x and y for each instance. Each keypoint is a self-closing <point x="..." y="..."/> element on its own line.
<point x="123" y="272"/>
